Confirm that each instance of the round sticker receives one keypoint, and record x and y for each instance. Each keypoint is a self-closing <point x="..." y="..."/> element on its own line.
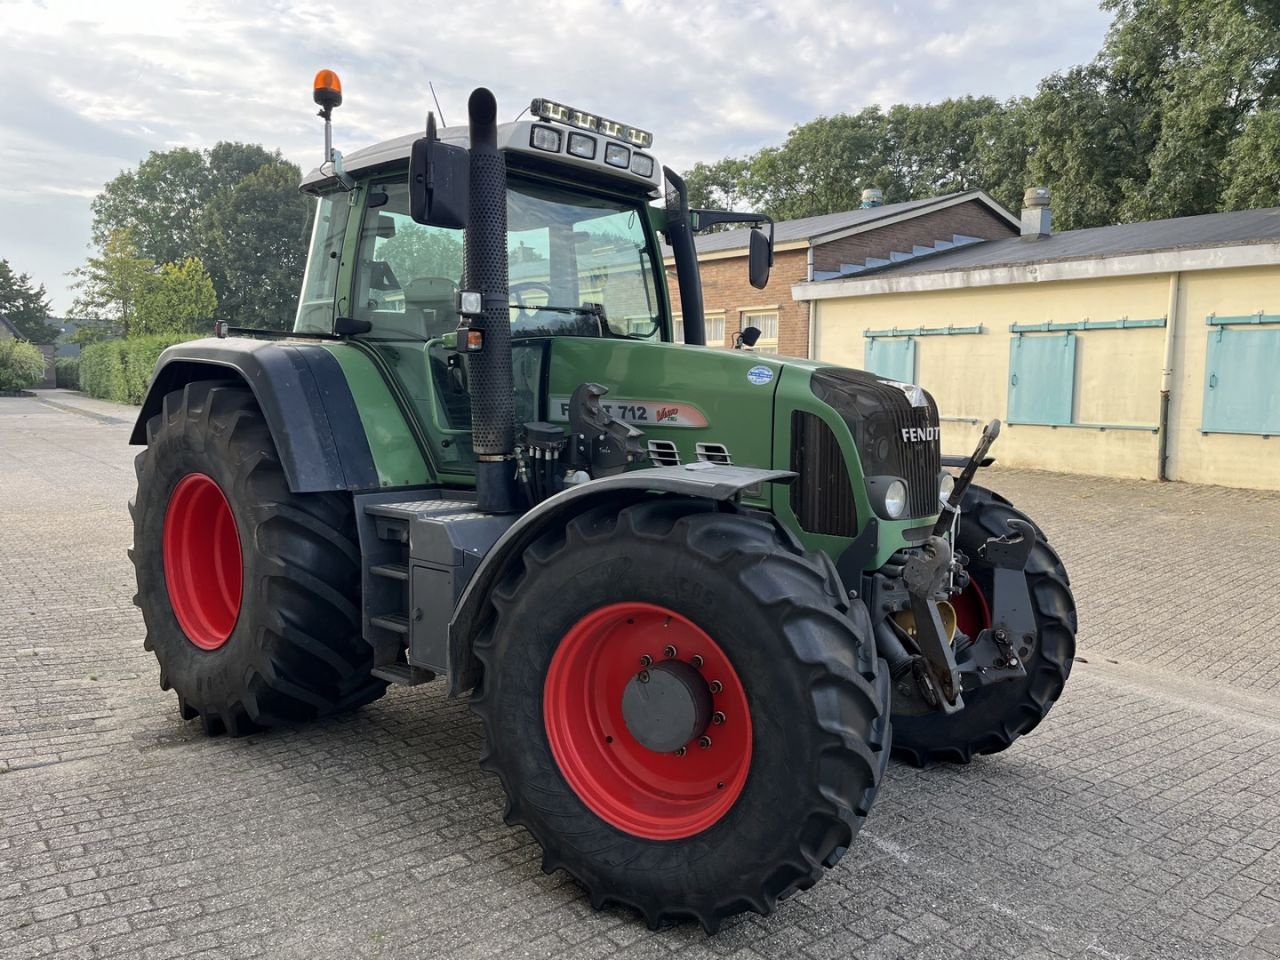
<point x="759" y="375"/>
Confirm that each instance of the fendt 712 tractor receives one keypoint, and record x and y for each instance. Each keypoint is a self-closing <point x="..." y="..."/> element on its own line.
<point x="689" y="590"/>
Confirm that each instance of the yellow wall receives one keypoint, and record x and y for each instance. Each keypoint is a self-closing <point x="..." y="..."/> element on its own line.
<point x="1227" y="459"/>
<point x="1117" y="371"/>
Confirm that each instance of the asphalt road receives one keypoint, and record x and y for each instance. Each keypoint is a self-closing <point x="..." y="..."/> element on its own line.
<point x="1142" y="819"/>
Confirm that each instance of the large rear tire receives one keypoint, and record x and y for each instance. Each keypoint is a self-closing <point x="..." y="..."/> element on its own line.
<point x="250" y="593"/>
<point x="996" y="715"/>
<point x="796" y="748"/>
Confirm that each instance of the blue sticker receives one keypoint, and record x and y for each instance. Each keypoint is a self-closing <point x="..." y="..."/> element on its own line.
<point x="759" y="375"/>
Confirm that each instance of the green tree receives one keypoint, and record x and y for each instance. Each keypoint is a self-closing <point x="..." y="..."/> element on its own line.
<point x="1194" y="74"/>
<point x="21" y="365"/>
<point x="718" y="186"/>
<point x="109" y="286"/>
<point x="25" y="306"/>
<point x="159" y="204"/>
<point x="932" y="148"/>
<point x="1087" y="146"/>
<point x="255" y="239"/>
<point x="822" y="167"/>
<point x="170" y="203"/>
<point x="1002" y="150"/>
<point x="1251" y="170"/>
<point x="179" y="298"/>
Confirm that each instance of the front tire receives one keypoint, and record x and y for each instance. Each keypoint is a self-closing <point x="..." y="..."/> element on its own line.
<point x="996" y="715"/>
<point x="794" y="760"/>
<point x="250" y="593"/>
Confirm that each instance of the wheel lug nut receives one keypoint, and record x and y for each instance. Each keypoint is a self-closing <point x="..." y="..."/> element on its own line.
<point x="696" y="661"/>
<point x="669" y="651"/>
<point x="643" y="676"/>
<point x="680" y="751"/>
<point x="716" y="686"/>
<point x="704" y="741"/>
<point x="645" y="660"/>
<point x="717" y="718"/>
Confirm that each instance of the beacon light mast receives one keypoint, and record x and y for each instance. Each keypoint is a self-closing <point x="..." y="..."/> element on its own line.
<point x="327" y="93"/>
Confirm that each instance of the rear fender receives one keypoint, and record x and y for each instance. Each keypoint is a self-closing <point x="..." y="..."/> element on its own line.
<point x="715" y="482"/>
<point x="303" y="395"/>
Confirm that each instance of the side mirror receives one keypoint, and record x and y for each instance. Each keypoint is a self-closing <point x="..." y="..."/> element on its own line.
<point x="750" y="335"/>
<point x="759" y="260"/>
<point x="386" y="226"/>
<point x="439" y="181"/>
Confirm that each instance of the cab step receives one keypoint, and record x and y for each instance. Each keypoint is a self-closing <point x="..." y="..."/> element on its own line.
<point x="402" y="674"/>
<point x="393" y="622"/>
<point x="392" y="571"/>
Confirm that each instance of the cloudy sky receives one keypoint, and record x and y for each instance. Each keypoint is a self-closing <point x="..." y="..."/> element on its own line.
<point x="89" y="88"/>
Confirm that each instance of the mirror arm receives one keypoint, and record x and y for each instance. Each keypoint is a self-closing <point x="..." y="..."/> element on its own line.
<point x="701" y="220"/>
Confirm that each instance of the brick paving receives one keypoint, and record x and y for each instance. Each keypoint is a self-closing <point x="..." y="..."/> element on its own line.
<point x="1142" y="820"/>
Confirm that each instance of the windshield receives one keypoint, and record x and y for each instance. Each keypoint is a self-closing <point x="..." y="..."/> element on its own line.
<point x="579" y="266"/>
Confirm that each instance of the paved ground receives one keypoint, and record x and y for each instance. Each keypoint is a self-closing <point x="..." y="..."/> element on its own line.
<point x="1142" y="820"/>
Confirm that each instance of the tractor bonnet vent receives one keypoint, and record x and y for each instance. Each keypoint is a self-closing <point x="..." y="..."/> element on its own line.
<point x="714" y="453"/>
<point x="664" y="453"/>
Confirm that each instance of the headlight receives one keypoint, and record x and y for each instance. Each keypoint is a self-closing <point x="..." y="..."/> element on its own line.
<point x="616" y="155"/>
<point x="895" y="499"/>
<point x="543" y="137"/>
<point x="945" y="487"/>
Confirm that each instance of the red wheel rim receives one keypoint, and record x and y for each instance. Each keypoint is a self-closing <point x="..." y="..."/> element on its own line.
<point x="202" y="562"/>
<point x="973" y="613"/>
<point x="659" y="796"/>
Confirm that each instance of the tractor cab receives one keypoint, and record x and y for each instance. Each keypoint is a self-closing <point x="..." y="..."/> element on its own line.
<point x="583" y="256"/>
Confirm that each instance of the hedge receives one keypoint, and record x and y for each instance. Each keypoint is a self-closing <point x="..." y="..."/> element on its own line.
<point x="120" y="370"/>
<point x="66" y="372"/>
<point x="21" y="365"/>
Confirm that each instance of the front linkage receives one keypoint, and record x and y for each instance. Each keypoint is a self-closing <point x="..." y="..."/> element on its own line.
<point x="932" y="665"/>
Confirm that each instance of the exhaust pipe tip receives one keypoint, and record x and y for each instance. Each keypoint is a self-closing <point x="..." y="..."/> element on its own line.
<point x="482" y="112"/>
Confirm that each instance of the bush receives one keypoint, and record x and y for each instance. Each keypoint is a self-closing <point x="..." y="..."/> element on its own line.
<point x="120" y="370"/>
<point x="66" y="372"/>
<point x="21" y="365"/>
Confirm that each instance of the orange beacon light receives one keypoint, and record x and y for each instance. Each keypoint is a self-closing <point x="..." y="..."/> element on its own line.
<point x="327" y="90"/>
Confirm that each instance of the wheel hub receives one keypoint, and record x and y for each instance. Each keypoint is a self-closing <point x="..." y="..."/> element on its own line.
<point x="639" y="752"/>
<point x="666" y="706"/>
<point x="202" y="561"/>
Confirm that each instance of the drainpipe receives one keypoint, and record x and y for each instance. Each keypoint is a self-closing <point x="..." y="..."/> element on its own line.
<point x="808" y="275"/>
<point x="1166" y="375"/>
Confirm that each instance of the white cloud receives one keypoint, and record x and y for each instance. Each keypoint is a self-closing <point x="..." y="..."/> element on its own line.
<point x="91" y="87"/>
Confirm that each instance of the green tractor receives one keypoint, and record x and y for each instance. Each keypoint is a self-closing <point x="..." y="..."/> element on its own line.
<point x="690" y="591"/>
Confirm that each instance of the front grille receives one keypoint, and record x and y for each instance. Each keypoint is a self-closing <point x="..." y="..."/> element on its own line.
<point x="822" y="496"/>
<point x="877" y="413"/>
<point x="921" y="462"/>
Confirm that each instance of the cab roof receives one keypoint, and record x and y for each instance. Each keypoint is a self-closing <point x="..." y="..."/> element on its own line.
<point x="512" y="138"/>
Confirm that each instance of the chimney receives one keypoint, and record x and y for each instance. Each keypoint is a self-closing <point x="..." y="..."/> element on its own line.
<point x="872" y="197"/>
<point x="1036" y="215"/>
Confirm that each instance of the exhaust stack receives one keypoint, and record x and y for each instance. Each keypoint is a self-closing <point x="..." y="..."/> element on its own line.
<point x="489" y="372"/>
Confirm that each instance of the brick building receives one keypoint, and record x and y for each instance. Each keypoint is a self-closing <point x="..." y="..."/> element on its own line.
<point x="826" y="247"/>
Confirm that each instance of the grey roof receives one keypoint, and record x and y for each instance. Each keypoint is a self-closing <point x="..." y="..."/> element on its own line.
<point x="7" y="324"/>
<point x="814" y="228"/>
<point x="1208" y="230"/>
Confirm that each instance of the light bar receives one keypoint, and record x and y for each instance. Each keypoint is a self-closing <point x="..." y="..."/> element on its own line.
<point x="558" y="112"/>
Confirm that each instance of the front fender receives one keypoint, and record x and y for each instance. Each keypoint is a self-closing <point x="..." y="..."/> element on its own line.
<point x="710" y="481"/>
<point x="303" y="395"/>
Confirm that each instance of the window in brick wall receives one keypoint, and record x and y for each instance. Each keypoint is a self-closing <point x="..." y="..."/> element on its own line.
<point x="714" y="323"/>
<point x="715" y="329"/>
<point x="766" y="321"/>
